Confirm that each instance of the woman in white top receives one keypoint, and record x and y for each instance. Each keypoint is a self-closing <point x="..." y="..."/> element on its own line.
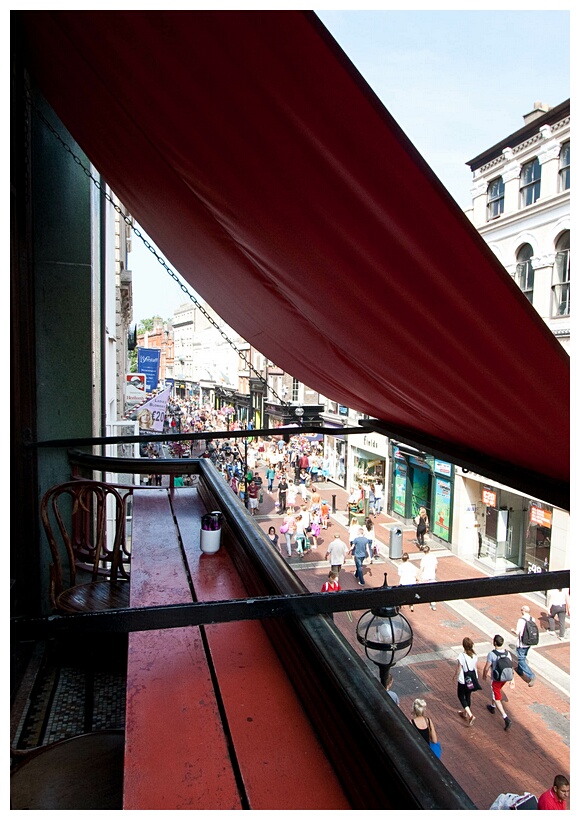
<point x="378" y="497"/>
<point x="466" y="662"/>
<point x="291" y="493"/>
<point x="559" y="607"/>
<point x="369" y="532"/>
<point x="307" y="523"/>
<point x="300" y="536"/>
<point x="407" y="573"/>
<point x="290" y="523"/>
<point x="353" y="531"/>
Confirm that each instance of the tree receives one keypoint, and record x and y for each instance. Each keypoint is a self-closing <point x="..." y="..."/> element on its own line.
<point x="147" y="325"/>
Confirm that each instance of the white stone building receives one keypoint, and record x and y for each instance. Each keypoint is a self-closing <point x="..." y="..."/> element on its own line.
<point x="521" y="207"/>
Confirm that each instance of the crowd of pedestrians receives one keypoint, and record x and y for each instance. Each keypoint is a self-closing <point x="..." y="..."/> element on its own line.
<point x="292" y="471"/>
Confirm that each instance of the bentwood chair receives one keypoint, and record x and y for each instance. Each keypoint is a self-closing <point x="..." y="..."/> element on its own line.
<point x="83" y="773"/>
<point x="86" y="573"/>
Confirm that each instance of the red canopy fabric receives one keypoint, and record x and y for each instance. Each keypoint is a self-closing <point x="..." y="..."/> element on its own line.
<point x="272" y="178"/>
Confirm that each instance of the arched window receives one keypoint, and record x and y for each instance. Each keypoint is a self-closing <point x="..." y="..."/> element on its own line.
<point x="525" y="271"/>
<point x="561" y="277"/>
<point x="495" y="196"/>
<point x="530" y="183"/>
<point x="564" y="172"/>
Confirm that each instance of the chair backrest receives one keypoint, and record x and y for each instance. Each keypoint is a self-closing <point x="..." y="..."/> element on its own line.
<point x="74" y="516"/>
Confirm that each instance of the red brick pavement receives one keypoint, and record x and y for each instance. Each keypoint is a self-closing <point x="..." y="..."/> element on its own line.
<point x="484" y="759"/>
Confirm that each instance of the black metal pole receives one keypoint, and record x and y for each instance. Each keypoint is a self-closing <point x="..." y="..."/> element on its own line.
<point x="246" y="472"/>
<point x="384" y="674"/>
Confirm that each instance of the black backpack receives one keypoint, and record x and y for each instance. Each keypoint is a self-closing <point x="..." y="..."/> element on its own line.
<point x="503" y="669"/>
<point x="531" y="634"/>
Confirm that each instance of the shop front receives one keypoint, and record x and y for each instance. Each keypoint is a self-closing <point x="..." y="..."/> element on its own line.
<point x="420" y="480"/>
<point x="513" y="531"/>
<point x="538" y="537"/>
<point x="368" y="458"/>
<point x="334" y="459"/>
<point x="257" y="398"/>
<point x="206" y="394"/>
<point x="242" y="411"/>
<point x="182" y="388"/>
<point x="506" y="530"/>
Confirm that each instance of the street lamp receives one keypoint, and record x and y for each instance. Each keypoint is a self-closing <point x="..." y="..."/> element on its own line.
<point x="386" y="635"/>
<point x="299" y="412"/>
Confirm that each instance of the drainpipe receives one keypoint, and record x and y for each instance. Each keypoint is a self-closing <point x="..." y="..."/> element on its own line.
<point x="103" y="313"/>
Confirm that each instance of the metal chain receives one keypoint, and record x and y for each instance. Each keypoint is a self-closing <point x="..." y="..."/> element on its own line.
<point x="128" y="219"/>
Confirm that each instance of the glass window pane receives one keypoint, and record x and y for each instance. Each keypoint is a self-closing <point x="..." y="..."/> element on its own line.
<point x="564" y="180"/>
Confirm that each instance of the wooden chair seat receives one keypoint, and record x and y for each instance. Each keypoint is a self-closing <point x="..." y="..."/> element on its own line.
<point x="82" y="773"/>
<point x="102" y="583"/>
<point x="94" y="597"/>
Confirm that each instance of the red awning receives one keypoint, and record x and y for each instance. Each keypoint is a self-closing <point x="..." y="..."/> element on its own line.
<point x="272" y="178"/>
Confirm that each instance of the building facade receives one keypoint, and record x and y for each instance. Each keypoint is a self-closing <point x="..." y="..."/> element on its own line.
<point x="521" y="207"/>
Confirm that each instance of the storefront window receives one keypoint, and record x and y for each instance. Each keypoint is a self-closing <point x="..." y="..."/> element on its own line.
<point x="368" y="467"/>
<point x="420" y="481"/>
<point x="441" y="518"/>
<point x="538" y="537"/>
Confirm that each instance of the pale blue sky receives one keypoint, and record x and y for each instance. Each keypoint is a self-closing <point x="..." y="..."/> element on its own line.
<point x="455" y="81"/>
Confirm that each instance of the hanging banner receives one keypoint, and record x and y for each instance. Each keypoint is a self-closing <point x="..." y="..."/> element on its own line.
<point x="148" y="359"/>
<point x="135" y="389"/>
<point x="152" y="414"/>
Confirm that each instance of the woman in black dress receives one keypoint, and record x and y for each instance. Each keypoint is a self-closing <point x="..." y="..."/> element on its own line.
<point x="422" y="522"/>
<point x="282" y="490"/>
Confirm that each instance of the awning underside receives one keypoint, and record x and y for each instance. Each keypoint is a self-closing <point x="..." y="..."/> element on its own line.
<point x="272" y="178"/>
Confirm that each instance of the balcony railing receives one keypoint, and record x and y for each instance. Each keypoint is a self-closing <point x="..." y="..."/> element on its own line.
<point x="343" y="700"/>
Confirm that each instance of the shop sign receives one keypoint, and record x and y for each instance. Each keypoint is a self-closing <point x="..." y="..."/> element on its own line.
<point x="398" y="454"/>
<point x="541" y="517"/>
<point x="372" y="443"/>
<point x="441" y="467"/>
<point x="489" y="496"/>
<point x="418" y="461"/>
<point x="342" y="410"/>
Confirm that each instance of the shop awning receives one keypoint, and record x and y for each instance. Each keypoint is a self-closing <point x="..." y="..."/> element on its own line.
<point x="273" y="179"/>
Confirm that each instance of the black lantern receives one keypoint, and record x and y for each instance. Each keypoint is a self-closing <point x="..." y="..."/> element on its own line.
<point x="386" y="635"/>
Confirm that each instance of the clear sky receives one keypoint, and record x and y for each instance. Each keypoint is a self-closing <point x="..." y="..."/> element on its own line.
<point x="456" y="81"/>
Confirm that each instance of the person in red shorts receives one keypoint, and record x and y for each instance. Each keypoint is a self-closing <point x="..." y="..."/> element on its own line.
<point x="497" y="685"/>
<point x="555" y="798"/>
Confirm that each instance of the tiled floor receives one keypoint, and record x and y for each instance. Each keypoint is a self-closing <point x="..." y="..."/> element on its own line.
<point x="53" y="709"/>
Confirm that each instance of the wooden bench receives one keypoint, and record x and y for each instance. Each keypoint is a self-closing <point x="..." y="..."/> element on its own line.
<point x="176" y="752"/>
<point x="179" y="725"/>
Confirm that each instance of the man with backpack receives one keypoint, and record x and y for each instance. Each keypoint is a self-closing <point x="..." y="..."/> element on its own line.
<point x="500" y="665"/>
<point x="528" y="635"/>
